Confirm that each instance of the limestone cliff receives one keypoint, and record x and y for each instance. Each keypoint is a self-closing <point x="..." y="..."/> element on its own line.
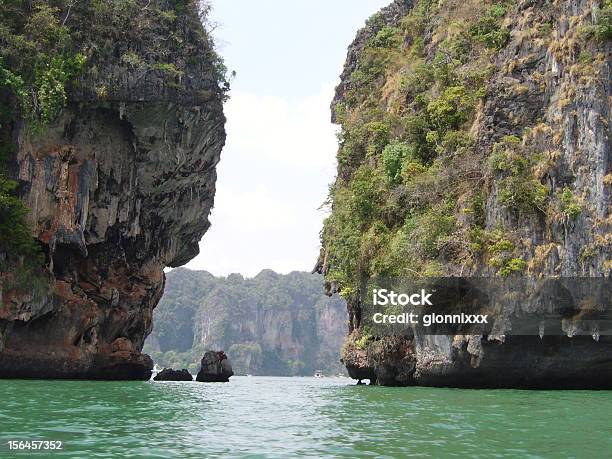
<point x="474" y="142"/>
<point x="271" y="324"/>
<point x="120" y="185"/>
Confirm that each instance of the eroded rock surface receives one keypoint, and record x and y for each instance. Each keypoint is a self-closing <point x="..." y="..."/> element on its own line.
<point x="168" y="374"/>
<point x="120" y="186"/>
<point x="541" y="105"/>
<point x="215" y="367"/>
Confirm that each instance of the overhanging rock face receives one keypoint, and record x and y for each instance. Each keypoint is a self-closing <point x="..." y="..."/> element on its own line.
<point x="120" y="186"/>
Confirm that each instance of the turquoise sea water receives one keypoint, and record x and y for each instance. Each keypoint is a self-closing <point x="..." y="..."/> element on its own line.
<point x="300" y="417"/>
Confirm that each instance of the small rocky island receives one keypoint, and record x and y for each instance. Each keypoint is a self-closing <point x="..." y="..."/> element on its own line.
<point x="168" y="374"/>
<point x="216" y="367"/>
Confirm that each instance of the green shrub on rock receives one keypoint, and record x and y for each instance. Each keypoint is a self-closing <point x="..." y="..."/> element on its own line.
<point x="601" y="29"/>
<point x="570" y="207"/>
<point x="38" y="61"/>
<point x="517" y="187"/>
<point x="393" y="157"/>
<point x="387" y="37"/>
<point x="452" y="108"/>
<point x="488" y="29"/>
<point x="512" y="266"/>
<point x="15" y="233"/>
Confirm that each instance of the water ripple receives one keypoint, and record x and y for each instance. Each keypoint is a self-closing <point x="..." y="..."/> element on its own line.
<point x="301" y="417"/>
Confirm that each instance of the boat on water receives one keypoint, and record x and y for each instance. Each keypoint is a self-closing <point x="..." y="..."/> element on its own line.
<point x="318" y="374"/>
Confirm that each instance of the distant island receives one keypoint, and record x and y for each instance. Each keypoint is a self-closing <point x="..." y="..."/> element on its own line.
<point x="272" y="324"/>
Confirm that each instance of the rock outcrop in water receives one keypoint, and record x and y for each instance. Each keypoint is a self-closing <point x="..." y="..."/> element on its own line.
<point x="120" y="185"/>
<point x="168" y="374"/>
<point x="475" y="142"/>
<point x="215" y="367"/>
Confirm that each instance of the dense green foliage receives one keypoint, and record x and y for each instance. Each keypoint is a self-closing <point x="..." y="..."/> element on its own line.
<point x="38" y="57"/>
<point x="270" y="324"/>
<point x="602" y="28"/>
<point x="406" y="155"/>
<point x="414" y="185"/>
<point x="15" y="236"/>
<point x="518" y="188"/>
<point x="488" y="30"/>
<point x="47" y="44"/>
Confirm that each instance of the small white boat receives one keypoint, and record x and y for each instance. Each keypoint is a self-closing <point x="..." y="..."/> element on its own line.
<point x="318" y="374"/>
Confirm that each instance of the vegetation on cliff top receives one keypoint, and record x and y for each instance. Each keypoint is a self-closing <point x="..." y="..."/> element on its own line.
<point x="37" y="58"/>
<point x="413" y="182"/>
<point x="46" y="49"/>
<point x="47" y="44"/>
<point x="406" y="152"/>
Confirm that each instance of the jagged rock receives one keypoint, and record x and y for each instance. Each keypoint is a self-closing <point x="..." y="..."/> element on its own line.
<point x="120" y="186"/>
<point x="215" y="367"/>
<point x="168" y="374"/>
<point x="388" y="361"/>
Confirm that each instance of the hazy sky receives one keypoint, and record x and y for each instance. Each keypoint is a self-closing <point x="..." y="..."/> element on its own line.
<point x="280" y="154"/>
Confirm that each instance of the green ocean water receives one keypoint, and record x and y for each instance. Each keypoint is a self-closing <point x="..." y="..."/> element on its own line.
<point x="265" y="417"/>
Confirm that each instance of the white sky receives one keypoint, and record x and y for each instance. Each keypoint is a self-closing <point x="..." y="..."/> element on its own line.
<point x="280" y="153"/>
